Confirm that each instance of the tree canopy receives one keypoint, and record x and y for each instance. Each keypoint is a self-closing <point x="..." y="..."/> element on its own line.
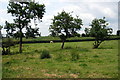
<point x="65" y="26"/>
<point x="99" y="30"/>
<point x="32" y="32"/>
<point x="23" y="13"/>
<point x="10" y="28"/>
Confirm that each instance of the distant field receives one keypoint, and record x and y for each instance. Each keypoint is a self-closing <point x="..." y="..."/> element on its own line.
<point x="49" y="38"/>
<point x="92" y="63"/>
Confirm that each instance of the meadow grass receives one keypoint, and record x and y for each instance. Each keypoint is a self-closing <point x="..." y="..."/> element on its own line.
<point x="92" y="63"/>
<point x="50" y="38"/>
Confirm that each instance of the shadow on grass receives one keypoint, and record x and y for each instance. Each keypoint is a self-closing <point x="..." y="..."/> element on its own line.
<point x="106" y="47"/>
<point x="13" y="53"/>
<point x="68" y="47"/>
<point x="13" y="61"/>
<point x="83" y="65"/>
<point x="95" y="56"/>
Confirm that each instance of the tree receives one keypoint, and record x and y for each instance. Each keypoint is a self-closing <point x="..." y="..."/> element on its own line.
<point x="76" y="26"/>
<point x="17" y="35"/>
<point x="118" y="32"/>
<point x="83" y="35"/>
<point x="32" y="32"/>
<point x="0" y="31"/>
<point x="99" y="30"/>
<point x="64" y="25"/>
<point x="53" y="33"/>
<point x="110" y="31"/>
<point x="6" y="44"/>
<point x="87" y="32"/>
<point x="24" y="12"/>
<point x="10" y="28"/>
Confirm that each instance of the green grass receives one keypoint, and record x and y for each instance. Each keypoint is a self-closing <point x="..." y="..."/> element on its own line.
<point x="92" y="63"/>
<point x="49" y="38"/>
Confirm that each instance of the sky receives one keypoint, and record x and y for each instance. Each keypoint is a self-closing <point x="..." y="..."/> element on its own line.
<point x="87" y="10"/>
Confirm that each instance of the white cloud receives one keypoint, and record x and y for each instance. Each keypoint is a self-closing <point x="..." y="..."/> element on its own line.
<point x="86" y="10"/>
<point x="86" y="17"/>
<point x="108" y="9"/>
<point x="108" y="12"/>
<point x="47" y="18"/>
<point x="46" y="2"/>
<point x="70" y="8"/>
<point x="3" y="11"/>
<point x="88" y="0"/>
<point x="2" y="21"/>
<point x="4" y="1"/>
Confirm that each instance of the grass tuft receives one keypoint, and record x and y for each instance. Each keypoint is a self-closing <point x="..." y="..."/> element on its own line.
<point x="45" y="54"/>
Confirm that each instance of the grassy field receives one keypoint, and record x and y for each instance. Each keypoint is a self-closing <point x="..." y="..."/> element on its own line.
<point x="92" y="63"/>
<point x="49" y="38"/>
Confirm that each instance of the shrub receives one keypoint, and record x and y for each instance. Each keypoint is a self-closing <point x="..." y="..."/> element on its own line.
<point x="77" y="34"/>
<point x="83" y="65"/>
<point x="95" y="56"/>
<point x="83" y="35"/>
<point x="68" y="47"/>
<point x="74" y="56"/>
<point x="45" y="54"/>
<point x="6" y="44"/>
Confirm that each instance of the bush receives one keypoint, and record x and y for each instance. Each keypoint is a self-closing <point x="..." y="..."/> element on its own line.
<point x="78" y="35"/>
<point x="74" y="56"/>
<point x="45" y="54"/>
<point x="83" y="35"/>
<point x="84" y="65"/>
<point x="6" y="44"/>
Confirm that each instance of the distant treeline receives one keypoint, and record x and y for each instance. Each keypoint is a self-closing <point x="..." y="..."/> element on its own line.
<point x="55" y="41"/>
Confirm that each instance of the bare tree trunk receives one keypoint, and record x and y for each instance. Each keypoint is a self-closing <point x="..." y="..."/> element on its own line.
<point x="20" y="49"/>
<point x="3" y="51"/>
<point x="9" y="49"/>
<point x="20" y="43"/>
<point x="97" y="44"/>
<point x="62" y="45"/>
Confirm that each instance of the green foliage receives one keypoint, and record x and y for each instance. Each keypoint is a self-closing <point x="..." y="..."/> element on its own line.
<point x="62" y="37"/>
<point x="6" y="44"/>
<point x="10" y="28"/>
<point x="32" y="32"/>
<point x="87" y="32"/>
<point x="17" y="35"/>
<point x="1" y="27"/>
<point x="65" y="26"/>
<point x="77" y="34"/>
<point x="99" y="30"/>
<point x="0" y="31"/>
<point x="83" y="35"/>
<point x="110" y="31"/>
<point x="24" y="12"/>
<point x="118" y="32"/>
<point x="45" y="54"/>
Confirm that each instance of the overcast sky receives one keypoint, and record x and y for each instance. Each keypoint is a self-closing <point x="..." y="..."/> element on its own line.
<point x="87" y="10"/>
